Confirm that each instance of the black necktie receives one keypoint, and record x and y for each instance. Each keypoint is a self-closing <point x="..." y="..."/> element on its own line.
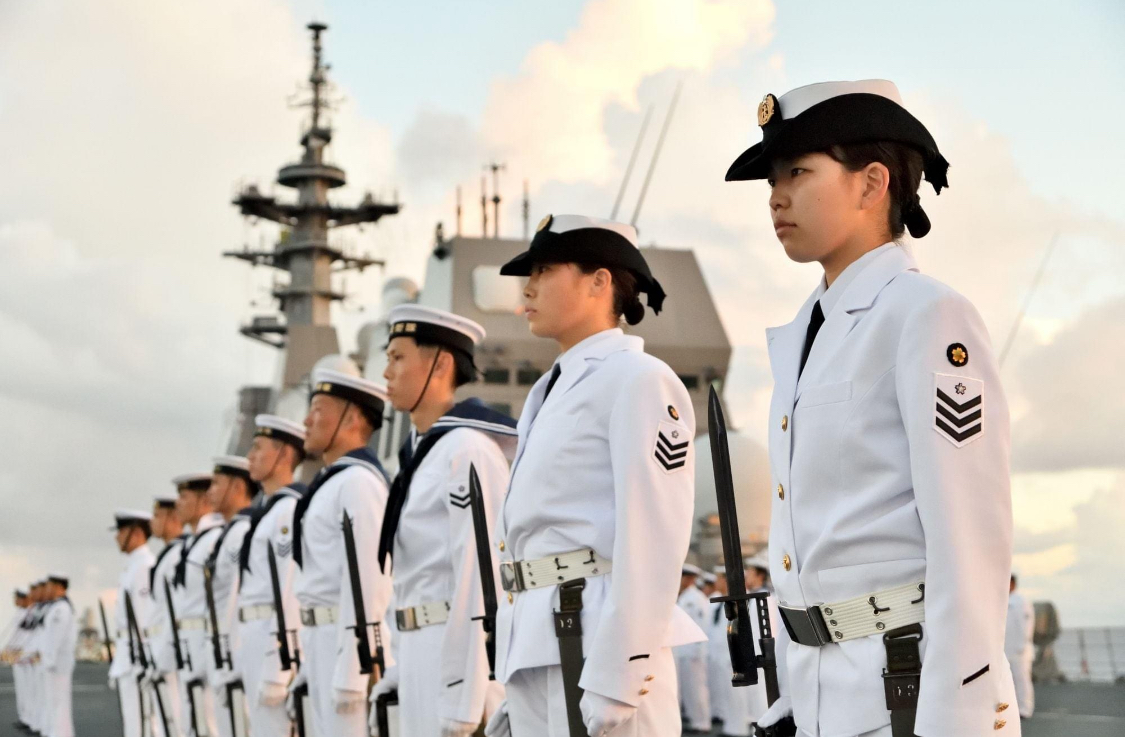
<point x="815" y="322"/>
<point x="551" y="384"/>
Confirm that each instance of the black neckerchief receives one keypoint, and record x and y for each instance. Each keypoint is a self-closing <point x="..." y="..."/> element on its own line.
<point x="472" y="413"/>
<point x="181" y="566"/>
<point x="361" y="457"/>
<point x="167" y="549"/>
<point x="292" y="491"/>
<point x="212" y="559"/>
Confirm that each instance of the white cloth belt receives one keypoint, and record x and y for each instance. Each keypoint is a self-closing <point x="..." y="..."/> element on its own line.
<point x="253" y="613"/>
<point x="423" y="615"/>
<point x="862" y="616"/>
<point x="318" y="615"/>
<point x="154" y="631"/>
<point x="553" y="570"/>
<point x="193" y="623"/>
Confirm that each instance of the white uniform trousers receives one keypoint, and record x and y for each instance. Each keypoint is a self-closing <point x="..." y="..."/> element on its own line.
<point x="536" y="705"/>
<point x="170" y="695"/>
<point x="718" y="682"/>
<point x="1021" y="675"/>
<point x="198" y="648"/>
<point x="258" y="645"/>
<point x="419" y="682"/>
<point x="742" y="706"/>
<point x="39" y="719"/>
<point x="223" y="710"/>
<point x="691" y="667"/>
<point x="319" y="649"/>
<point x="60" y="720"/>
<point x="21" y="695"/>
<point x="129" y="695"/>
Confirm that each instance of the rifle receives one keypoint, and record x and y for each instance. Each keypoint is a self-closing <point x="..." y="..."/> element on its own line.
<point x="740" y="637"/>
<point x="108" y="642"/>
<point x="234" y="689"/>
<point x="289" y="658"/>
<point x="484" y="563"/>
<point x="135" y="630"/>
<point x="134" y="657"/>
<point x="367" y="663"/>
<point x="183" y="659"/>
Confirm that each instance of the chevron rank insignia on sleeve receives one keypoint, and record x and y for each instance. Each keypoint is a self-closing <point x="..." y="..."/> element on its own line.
<point x="671" y="446"/>
<point x="461" y="501"/>
<point x="958" y="407"/>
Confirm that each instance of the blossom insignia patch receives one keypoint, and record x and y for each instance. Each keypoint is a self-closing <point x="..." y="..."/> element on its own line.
<point x="671" y="447"/>
<point x="958" y="408"/>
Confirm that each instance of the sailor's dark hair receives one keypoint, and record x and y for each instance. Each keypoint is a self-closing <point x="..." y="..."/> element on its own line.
<point x="626" y="297"/>
<point x="464" y="371"/>
<point x="905" y="165"/>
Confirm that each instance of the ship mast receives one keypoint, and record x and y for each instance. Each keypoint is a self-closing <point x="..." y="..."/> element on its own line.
<point x="303" y="251"/>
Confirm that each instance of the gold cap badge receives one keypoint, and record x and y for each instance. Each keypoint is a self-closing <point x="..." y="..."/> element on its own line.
<point x="543" y="224"/>
<point x="766" y="109"/>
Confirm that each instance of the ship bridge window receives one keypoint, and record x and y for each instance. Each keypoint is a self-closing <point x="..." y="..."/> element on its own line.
<point x="495" y="293"/>
<point x="497" y="376"/>
<point x="528" y="376"/>
<point x="691" y="381"/>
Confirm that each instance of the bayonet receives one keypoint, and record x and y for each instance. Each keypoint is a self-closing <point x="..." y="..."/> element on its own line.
<point x="367" y="662"/>
<point x="484" y="562"/>
<point x="143" y="660"/>
<point x="279" y="611"/>
<point x="740" y="637"/>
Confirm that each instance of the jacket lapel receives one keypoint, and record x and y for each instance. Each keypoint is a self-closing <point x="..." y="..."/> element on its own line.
<point x="784" y="344"/>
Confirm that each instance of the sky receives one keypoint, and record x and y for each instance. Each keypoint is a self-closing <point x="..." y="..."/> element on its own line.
<point x="129" y="126"/>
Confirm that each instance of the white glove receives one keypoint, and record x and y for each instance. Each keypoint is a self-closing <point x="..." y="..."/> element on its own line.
<point x="602" y="715"/>
<point x="112" y="682"/>
<point x="345" y="701"/>
<point x="291" y="699"/>
<point x="498" y="725"/>
<point x="272" y="694"/>
<point x="386" y="684"/>
<point x="781" y="708"/>
<point x="456" y="728"/>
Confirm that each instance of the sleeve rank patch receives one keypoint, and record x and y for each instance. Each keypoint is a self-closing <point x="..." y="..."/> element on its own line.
<point x="958" y="407"/>
<point x="671" y="447"/>
<point x="461" y="501"/>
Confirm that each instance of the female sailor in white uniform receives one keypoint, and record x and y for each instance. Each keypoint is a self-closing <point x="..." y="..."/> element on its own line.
<point x="891" y="531"/>
<point x="598" y="516"/>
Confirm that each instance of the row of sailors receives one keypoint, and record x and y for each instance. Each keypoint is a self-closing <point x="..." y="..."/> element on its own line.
<point x="39" y="644"/>
<point x="573" y="496"/>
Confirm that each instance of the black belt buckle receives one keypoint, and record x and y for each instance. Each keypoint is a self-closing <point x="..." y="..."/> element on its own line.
<point x="806" y="626"/>
<point x="406" y="619"/>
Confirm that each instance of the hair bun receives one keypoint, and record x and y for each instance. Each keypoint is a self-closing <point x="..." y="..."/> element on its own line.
<point x="634" y="312"/>
<point x="915" y="219"/>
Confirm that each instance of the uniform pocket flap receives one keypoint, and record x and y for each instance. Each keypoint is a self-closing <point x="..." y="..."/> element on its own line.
<point x="825" y="394"/>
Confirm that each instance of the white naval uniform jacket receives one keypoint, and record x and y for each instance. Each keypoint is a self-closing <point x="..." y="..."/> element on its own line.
<point x="158" y="628"/>
<point x="190" y="597"/>
<point x="323" y="580"/>
<point x="60" y="636"/>
<point x="134" y="580"/>
<point x="587" y="475"/>
<point x="224" y="584"/>
<point x="870" y="493"/>
<point x="274" y="528"/>
<point x="435" y="557"/>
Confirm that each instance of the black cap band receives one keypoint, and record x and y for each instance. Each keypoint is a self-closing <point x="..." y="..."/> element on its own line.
<point x="428" y="332"/>
<point x="351" y="394"/>
<point x="286" y="437"/>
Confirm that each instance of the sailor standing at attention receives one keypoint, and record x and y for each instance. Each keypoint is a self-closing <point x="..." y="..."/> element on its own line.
<point x="167" y="526"/>
<point x="12" y="655"/>
<point x="1019" y="646"/>
<point x="442" y="669"/>
<point x="344" y="412"/>
<point x="60" y="638"/>
<point x="598" y="515"/>
<point x="275" y="454"/>
<point x="232" y="492"/>
<point x="891" y="532"/>
<point x="133" y="531"/>
<point x="196" y="510"/>
<point x="691" y="659"/>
